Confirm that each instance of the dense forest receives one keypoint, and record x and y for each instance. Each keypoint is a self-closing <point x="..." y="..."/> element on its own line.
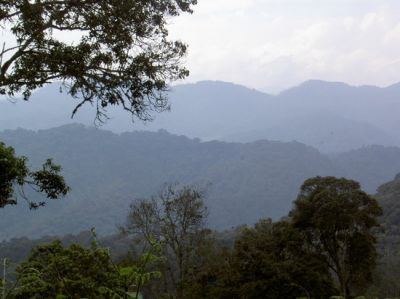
<point x="244" y="182"/>
<point x="267" y="260"/>
<point x="234" y="193"/>
<point x="122" y="228"/>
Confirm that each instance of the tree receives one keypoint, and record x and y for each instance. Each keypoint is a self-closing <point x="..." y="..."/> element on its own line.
<point x="216" y="275"/>
<point x="53" y="271"/>
<point x="269" y="261"/>
<point x="274" y="262"/>
<point x="174" y="219"/>
<point x="338" y="219"/>
<point x="137" y="273"/>
<point x="121" y="54"/>
<point x="14" y="172"/>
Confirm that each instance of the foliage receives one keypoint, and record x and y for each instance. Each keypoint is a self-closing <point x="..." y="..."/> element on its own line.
<point x="215" y="274"/>
<point x="121" y="54"/>
<point x="18" y="249"/>
<point x="271" y="260"/>
<point x="246" y="181"/>
<point x="15" y="172"/>
<point x="268" y="261"/>
<point x="137" y="274"/>
<point x="387" y="197"/>
<point x="175" y="220"/>
<point x="386" y="276"/>
<point x="53" y="271"/>
<point x="275" y="263"/>
<point x="338" y="221"/>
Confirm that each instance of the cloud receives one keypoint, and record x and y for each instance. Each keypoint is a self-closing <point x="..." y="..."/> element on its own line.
<point x="215" y="6"/>
<point x="264" y="44"/>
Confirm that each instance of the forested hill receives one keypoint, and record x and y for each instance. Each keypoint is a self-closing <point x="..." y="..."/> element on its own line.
<point x="389" y="197"/>
<point x="244" y="182"/>
<point x="332" y="117"/>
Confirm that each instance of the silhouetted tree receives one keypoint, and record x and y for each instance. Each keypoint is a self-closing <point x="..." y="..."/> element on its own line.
<point x="273" y="262"/>
<point x="337" y="219"/>
<point x="174" y="219"/>
<point x="14" y="173"/>
<point x="121" y="54"/>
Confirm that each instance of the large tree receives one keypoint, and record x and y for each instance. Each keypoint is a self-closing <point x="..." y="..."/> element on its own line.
<point x="268" y="261"/>
<point x="273" y="262"/>
<point x="119" y="54"/>
<point x="174" y="219"/>
<point x="338" y="219"/>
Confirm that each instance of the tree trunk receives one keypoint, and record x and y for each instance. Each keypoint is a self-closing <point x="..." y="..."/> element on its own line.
<point x="343" y="285"/>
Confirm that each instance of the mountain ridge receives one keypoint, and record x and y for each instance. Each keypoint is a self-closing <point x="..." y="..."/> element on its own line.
<point x="215" y="110"/>
<point x="244" y="182"/>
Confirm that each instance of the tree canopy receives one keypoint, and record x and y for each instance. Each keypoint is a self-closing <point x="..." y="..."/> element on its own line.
<point x="53" y="271"/>
<point x="174" y="219"/>
<point x="274" y="262"/>
<point x="337" y="219"/>
<point x="120" y="53"/>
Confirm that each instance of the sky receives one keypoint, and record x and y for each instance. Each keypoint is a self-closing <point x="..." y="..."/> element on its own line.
<point x="272" y="45"/>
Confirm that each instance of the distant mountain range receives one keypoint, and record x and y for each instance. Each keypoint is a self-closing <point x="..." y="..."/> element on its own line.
<point x="332" y="117"/>
<point x="244" y="181"/>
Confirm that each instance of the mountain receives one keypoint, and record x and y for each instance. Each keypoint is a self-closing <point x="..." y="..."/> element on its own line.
<point x="386" y="272"/>
<point x="369" y="165"/>
<point x="243" y="181"/>
<point x="329" y="133"/>
<point x="388" y="196"/>
<point x="332" y="117"/>
<point x="207" y="110"/>
<point x="370" y="104"/>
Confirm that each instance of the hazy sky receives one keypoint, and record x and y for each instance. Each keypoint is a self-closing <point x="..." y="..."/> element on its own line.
<point x="275" y="44"/>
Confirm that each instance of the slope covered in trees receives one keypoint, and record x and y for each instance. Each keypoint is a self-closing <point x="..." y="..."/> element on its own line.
<point x="298" y="256"/>
<point x="389" y="197"/>
<point x="243" y="182"/>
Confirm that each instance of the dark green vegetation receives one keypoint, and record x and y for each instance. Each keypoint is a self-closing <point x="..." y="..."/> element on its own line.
<point x="337" y="219"/>
<point x="122" y="56"/>
<point x="183" y="259"/>
<point x="327" y="244"/>
<point x="244" y="182"/>
<point x="55" y="271"/>
<point x="387" y="275"/>
<point x="73" y="272"/>
<point x="18" y="249"/>
<point x="269" y="260"/>
<point x="14" y="173"/>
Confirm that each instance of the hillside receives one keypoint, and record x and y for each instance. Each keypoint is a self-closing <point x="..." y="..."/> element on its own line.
<point x="332" y="117"/>
<point x="244" y="182"/>
<point x="389" y="197"/>
<point x="369" y="165"/>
